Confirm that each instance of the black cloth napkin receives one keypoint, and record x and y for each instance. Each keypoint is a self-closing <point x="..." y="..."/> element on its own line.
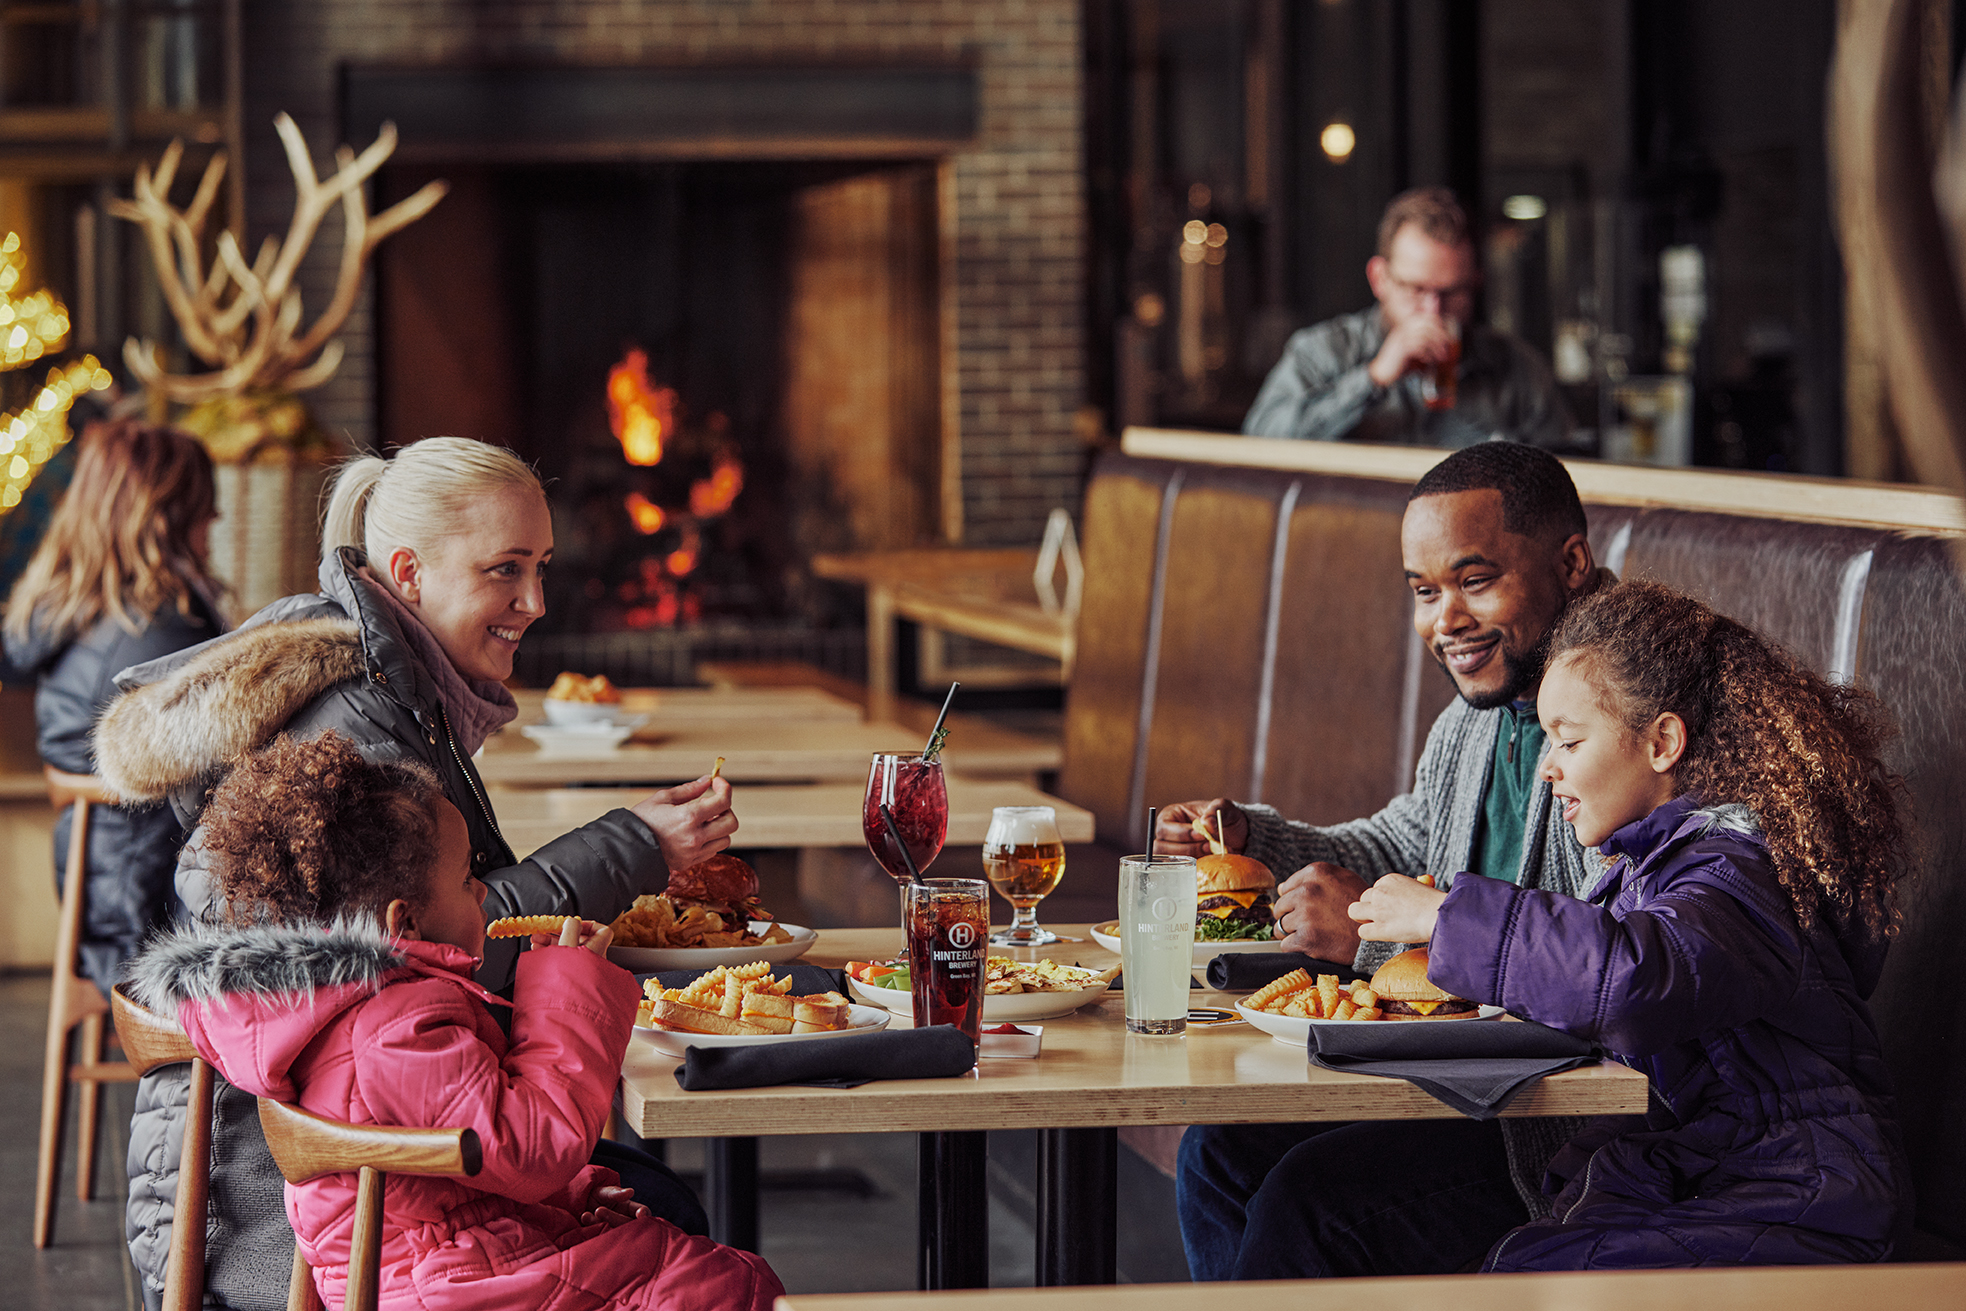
<point x="806" y="979"/>
<point x="1246" y="971"/>
<point x="932" y="1053"/>
<point x="1474" y="1066"/>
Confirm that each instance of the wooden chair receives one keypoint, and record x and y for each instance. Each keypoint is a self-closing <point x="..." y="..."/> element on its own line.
<point x="75" y="1001"/>
<point x="151" y="1040"/>
<point x="307" y="1146"/>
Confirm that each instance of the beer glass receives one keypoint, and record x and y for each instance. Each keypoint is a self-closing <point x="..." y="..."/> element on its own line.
<point x="1024" y="858"/>
<point x="948" y="923"/>
<point x="1157" y="941"/>
<point x="1438" y="382"/>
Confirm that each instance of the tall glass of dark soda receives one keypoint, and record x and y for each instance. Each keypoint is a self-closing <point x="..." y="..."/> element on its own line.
<point x="948" y="923"/>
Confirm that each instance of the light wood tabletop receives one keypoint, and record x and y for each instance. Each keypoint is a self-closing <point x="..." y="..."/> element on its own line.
<point x="778" y="815"/>
<point x="759" y="750"/>
<point x="1810" y="1288"/>
<point x="1092" y="1073"/>
<point x="668" y="707"/>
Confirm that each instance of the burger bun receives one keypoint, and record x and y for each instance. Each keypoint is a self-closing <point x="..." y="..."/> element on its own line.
<point x="1230" y="873"/>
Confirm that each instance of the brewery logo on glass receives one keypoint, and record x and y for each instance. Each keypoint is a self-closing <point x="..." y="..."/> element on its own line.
<point x="1164" y="908"/>
<point x="962" y="934"/>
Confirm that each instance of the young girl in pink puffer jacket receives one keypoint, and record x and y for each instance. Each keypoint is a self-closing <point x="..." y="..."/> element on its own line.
<point x="343" y="984"/>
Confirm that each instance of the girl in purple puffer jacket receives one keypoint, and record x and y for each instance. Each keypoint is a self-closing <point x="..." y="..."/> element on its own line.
<point x="1752" y="838"/>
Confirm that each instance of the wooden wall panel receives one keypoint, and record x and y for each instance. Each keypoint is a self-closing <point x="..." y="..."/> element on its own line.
<point x="863" y="403"/>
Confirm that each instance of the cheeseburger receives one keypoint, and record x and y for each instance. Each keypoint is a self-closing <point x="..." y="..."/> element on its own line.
<point x="723" y="885"/>
<point x="1406" y="993"/>
<point x="1234" y="902"/>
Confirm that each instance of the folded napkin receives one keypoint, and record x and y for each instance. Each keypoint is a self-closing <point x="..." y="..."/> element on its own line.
<point x="1246" y="971"/>
<point x="932" y="1053"/>
<point x="806" y="979"/>
<point x="1473" y="1066"/>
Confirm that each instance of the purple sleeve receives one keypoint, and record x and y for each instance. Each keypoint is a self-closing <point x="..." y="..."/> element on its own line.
<point x="1692" y="960"/>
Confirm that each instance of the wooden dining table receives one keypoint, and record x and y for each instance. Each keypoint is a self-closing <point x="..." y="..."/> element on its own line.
<point x="1091" y="1078"/>
<point x="1933" y="1287"/>
<point x="685" y="734"/>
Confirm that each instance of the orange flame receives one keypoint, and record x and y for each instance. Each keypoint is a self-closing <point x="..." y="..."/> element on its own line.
<point x="646" y="514"/>
<point x="640" y="413"/>
<point x="710" y="497"/>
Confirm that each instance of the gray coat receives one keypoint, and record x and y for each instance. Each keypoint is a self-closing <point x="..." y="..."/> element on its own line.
<point x="132" y="849"/>
<point x="1319" y="391"/>
<point x="305" y="665"/>
<point x="1432" y="830"/>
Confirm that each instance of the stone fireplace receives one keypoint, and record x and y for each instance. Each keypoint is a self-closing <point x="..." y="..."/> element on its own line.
<point x="847" y="237"/>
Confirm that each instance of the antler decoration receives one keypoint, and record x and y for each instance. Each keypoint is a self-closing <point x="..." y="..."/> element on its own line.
<point x="244" y="321"/>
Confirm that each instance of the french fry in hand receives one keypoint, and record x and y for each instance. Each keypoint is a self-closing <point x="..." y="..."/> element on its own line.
<point x="524" y="926"/>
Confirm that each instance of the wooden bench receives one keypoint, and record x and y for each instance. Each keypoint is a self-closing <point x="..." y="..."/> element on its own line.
<point x="1246" y="632"/>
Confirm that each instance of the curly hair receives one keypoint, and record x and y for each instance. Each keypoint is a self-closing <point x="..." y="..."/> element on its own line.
<point x="308" y="831"/>
<point x="1763" y="731"/>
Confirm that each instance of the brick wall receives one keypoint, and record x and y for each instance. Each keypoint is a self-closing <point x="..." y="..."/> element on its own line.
<point x="1019" y="228"/>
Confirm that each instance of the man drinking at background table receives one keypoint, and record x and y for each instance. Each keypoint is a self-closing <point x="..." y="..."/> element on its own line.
<point x="1495" y="549"/>
<point x="1365" y="376"/>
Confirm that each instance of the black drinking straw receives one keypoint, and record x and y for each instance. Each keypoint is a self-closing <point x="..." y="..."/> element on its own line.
<point x="1153" y="813"/>
<point x="946" y="702"/>
<point x="894" y="831"/>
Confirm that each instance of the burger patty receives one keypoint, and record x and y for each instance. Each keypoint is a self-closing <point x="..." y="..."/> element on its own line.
<point x="1226" y="905"/>
<point x="1452" y="1006"/>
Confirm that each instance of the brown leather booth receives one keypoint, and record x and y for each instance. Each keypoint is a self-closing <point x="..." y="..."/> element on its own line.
<point x="1246" y="632"/>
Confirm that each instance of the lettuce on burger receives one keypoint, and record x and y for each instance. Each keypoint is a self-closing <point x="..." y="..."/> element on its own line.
<point x="1235" y="899"/>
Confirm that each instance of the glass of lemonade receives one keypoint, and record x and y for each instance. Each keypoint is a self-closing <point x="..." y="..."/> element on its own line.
<point x="1024" y="858"/>
<point x="1157" y="941"/>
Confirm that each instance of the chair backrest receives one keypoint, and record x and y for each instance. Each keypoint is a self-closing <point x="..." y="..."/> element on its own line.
<point x="151" y="1040"/>
<point x="306" y="1146"/>
<point x="65" y="788"/>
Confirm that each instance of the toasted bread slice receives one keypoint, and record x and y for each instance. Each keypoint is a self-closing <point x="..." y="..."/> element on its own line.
<point x="694" y="1019"/>
<point x="769" y="1011"/>
<point x="826" y="1010"/>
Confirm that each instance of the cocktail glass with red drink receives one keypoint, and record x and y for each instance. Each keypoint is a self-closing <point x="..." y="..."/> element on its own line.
<point x="948" y="927"/>
<point x="914" y="792"/>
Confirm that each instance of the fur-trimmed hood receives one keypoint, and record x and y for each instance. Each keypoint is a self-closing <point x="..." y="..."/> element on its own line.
<point x="205" y="963"/>
<point x="184" y="720"/>
<point x="252" y="998"/>
<point x="216" y="707"/>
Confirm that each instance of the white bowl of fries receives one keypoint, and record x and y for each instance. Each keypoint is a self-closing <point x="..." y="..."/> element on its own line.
<point x="1295" y="1030"/>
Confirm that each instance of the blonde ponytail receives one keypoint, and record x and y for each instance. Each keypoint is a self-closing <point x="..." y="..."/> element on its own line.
<point x="342" y="524"/>
<point x="431" y="489"/>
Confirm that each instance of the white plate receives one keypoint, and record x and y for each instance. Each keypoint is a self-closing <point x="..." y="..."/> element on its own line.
<point x="998" y="1007"/>
<point x="570" y="714"/>
<point x="644" y="960"/>
<point x="577" y="740"/>
<point x="1295" y="1031"/>
<point x="1107" y="936"/>
<point x="860" y="1019"/>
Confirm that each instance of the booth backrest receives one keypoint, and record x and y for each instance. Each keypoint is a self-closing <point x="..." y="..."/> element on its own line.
<point x="1246" y="632"/>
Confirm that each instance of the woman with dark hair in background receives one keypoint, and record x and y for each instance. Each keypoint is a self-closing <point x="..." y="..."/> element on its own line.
<point x="119" y="579"/>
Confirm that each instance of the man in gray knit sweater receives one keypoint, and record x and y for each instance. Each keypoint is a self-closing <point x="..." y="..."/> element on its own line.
<point x="1495" y="549"/>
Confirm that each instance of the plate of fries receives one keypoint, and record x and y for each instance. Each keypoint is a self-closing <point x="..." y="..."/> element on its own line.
<point x="653" y="935"/>
<point x="1014" y="991"/>
<point x="746" y="999"/>
<point x="1287" y="1008"/>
